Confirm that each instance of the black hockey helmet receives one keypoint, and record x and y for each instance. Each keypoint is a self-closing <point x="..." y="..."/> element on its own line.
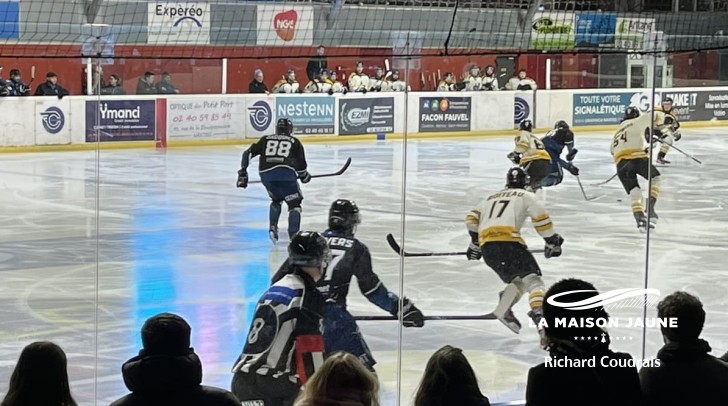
<point x="668" y="100"/>
<point x="526" y="125"/>
<point x="561" y="125"/>
<point x="631" y="112"/>
<point x="284" y="126"/>
<point x="344" y="216"/>
<point x="309" y="249"/>
<point x="516" y="178"/>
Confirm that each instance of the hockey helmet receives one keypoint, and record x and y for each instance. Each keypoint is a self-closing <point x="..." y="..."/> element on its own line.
<point x="284" y="126"/>
<point x="291" y="75"/>
<point x="474" y="70"/>
<point x="561" y="125"/>
<point x="309" y="249"/>
<point x="490" y="70"/>
<point x="395" y="74"/>
<point x="526" y="125"/>
<point x="516" y="178"/>
<point x="631" y="112"/>
<point x="344" y="216"/>
<point x="667" y="101"/>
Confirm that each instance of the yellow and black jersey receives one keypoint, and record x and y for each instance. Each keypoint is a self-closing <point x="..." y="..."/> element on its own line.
<point x="632" y="134"/>
<point x="530" y="147"/>
<point x="500" y="217"/>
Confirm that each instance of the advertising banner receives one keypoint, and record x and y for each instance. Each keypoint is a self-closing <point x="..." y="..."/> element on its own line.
<point x="595" y="29"/>
<point x="213" y="118"/>
<point x="178" y="23"/>
<point x="600" y="108"/>
<point x="445" y="114"/>
<point x="366" y="116"/>
<point x="260" y="113"/>
<point x="285" y="25"/>
<point x="631" y="32"/>
<point x="552" y="30"/>
<point x="52" y="122"/>
<point x="310" y="115"/>
<point x="120" y="120"/>
<point x="522" y="107"/>
<point x="699" y="105"/>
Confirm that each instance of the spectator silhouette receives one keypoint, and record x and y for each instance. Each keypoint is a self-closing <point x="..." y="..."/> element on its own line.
<point x="568" y="379"/>
<point x="146" y="84"/>
<point x="449" y="380"/>
<point x="687" y="374"/>
<point x="343" y="380"/>
<point x="165" y="85"/>
<point x="51" y="87"/>
<point x="317" y="64"/>
<point x="257" y="85"/>
<point x="167" y="371"/>
<point x="40" y="378"/>
<point x="114" y="86"/>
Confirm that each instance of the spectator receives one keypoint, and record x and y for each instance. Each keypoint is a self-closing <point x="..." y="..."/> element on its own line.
<point x="51" y="87"/>
<point x="316" y="64"/>
<point x="165" y="85"/>
<point x="341" y="381"/>
<point x="449" y="380"/>
<point x="146" y="84"/>
<point x="15" y="85"/>
<point x="288" y="84"/>
<point x="257" y="85"/>
<point x="114" y="87"/>
<point x="521" y="81"/>
<point x="490" y="79"/>
<point x="687" y="374"/>
<point x="40" y="378"/>
<point x="562" y="380"/>
<point x="167" y="371"/>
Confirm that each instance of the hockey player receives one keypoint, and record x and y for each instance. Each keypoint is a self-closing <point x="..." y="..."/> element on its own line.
<point x="397" y="84"/>
<point x="336" y="85"/>
<point x="472" y="80"/>
<point x="555" y="141"/>
<point x="670" y="137"/>
<point x="285" y="345"/>
<point x="317" y="84"/>
<point x="531" y="154"/>
<point x="447" y="84"/>
<point x="282" y="162"/>
<point x="490" y="79"/>
<point x="495" y="232"/>
<point x="632" y="159"/>
<point x="350" y="257"/>
<point x="359" y="81"/>
<point x="376" y="83"/>
<point x="287" y="84"/>
<point x="521" y="81"/>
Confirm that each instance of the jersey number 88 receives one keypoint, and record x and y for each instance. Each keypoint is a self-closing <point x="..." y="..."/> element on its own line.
<point x="278" y="148"/>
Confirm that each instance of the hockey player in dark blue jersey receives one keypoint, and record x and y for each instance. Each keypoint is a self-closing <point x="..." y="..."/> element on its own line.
<point x="555" y="141"/>
<point x="350" y="257"/>
<point x="282" y="162"/>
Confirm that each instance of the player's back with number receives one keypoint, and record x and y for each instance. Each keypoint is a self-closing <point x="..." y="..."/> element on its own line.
<point x="279" y="151"/>
<point x="500" y="217"/>
<point x="629" y="140"/>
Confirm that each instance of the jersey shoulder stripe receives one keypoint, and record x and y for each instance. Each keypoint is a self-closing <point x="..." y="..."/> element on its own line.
<point x="282" y="294"/>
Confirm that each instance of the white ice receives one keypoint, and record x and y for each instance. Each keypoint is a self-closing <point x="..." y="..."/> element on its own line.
<point x="174" y="234"/>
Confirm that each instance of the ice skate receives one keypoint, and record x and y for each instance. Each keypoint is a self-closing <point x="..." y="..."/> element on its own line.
<point x="508" y="318"/>
<point x="661" y="159"/>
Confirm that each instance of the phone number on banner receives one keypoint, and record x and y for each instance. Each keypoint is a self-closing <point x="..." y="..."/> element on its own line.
<point x="204" y="117"/>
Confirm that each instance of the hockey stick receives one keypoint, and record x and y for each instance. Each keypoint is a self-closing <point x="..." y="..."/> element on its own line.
<point x="605" y="182"/>
<point x="393" y="244"/>
<point x="489" y="316"/>
<point x="588" y="199"/>
<point x="679" y="150"/>
<point x="325" y="175"/>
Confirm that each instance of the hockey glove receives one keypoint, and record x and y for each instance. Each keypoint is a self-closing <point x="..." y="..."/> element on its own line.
<point x="553" y="246"/>
<point x="515" y="157"/>
<point x="573" y="170"/>
<point x="474" y="252"/>
<point x="304" y="176"/>
<point x="242" y="179"/>
<point x="331" y="92"/>
<point x="411" y="315"/>
<point x="570" y="156"/>
<point x="677" y="135"/>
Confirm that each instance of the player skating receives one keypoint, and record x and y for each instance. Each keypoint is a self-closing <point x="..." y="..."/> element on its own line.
<point x="285" y="345"/>
<point x="531" y="154"/>
<point x="632" y="159"/>
<point x="350" y="257"/>
<point x="670" y="136"/>
<point x="495" y="231"/>
<point x="282" y="162"/>
<point x="554" y="141"/>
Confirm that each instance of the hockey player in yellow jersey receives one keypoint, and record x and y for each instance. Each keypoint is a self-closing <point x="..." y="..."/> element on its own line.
<point x="667" y="107"/>
<point x="632" y="159"/>
<point x="531" y="154"/>
<point x="495" y="231"/>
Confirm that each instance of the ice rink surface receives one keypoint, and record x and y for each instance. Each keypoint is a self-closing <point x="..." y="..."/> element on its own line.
<point x="174" y="234"/>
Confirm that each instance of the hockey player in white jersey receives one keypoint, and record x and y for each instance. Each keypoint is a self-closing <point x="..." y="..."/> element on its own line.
<point x="472" y="80"/>
<point x="336" y="85"/>
<point x="378" y="82"/>
<point x="289" y="84"/>
<point x="672" y="136"/>
<point x="397" y="84"/>
<point x="531" y="154"/>
<point x="632" y="159"/>
<point x="495" y="231"/>
<point x="490" y="79"/>
<point x="359" y="81"/>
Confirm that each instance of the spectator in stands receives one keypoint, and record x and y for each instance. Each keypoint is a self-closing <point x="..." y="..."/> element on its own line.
<point x="167" y="371"/>
<point x="51" y="87"/>
<point x="521" y="81"/>
<point x="257" y="85"/>
<point x="288" y="84"/>
<point x="449" y="380"/>
<point x="165" y="85"/>
<point x="114" y="87"/>
<point x="146" y="84"/>
<point x="15" y="85"/>
<point x="574" y="374"/>
<point x="40" y="378"/>
<point x="316" y="64"/>
<point x="686" y="374"/>
<point x="342" y="380"/>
